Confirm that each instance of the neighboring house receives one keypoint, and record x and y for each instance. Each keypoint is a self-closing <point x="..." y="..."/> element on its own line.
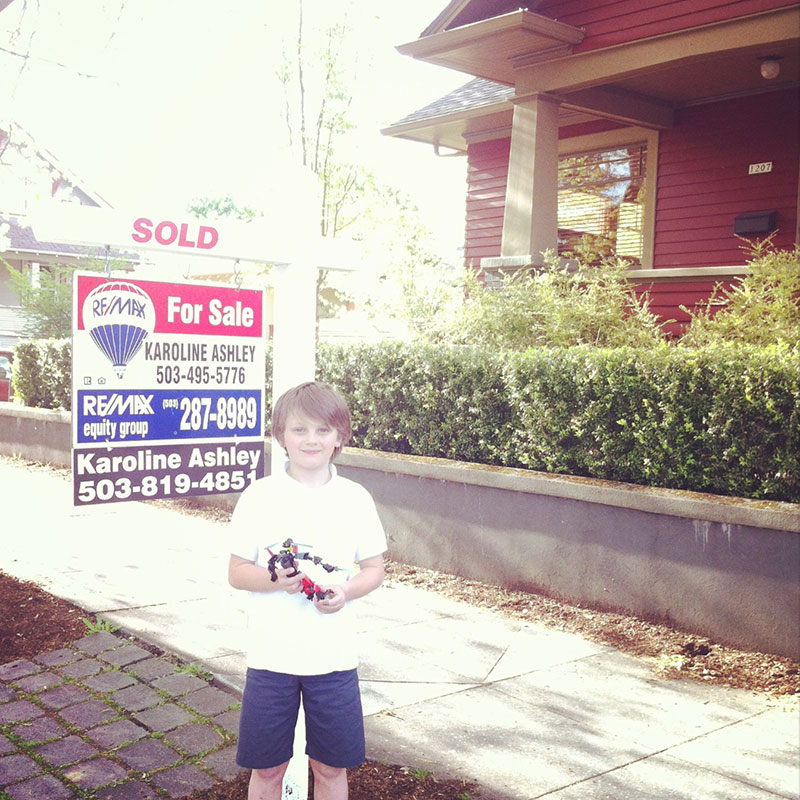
<point x="657" y="131"/>
<point x="30" y="174"/>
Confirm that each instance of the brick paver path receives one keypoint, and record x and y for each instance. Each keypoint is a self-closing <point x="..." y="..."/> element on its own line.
<point x="105" y="717"/>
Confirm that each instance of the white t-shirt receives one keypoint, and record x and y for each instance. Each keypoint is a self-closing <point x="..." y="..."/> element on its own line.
<point x="337" y="522"/>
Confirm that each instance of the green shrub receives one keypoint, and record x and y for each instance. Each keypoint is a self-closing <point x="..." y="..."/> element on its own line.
<point x="721" y="419"/>
<point x="43" y="373"/>
<point x="762" y="308"/>
<point x="556" y="307"/>
<point x="47" y="306"/>
<point x="750" y="428"/>
<point x="421" y="399"/>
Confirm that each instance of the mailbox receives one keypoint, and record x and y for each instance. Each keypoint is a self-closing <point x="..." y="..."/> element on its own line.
<point x="754" y="222"/>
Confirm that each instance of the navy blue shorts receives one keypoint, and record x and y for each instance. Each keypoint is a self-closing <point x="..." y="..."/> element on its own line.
<point x="334" y="719"/>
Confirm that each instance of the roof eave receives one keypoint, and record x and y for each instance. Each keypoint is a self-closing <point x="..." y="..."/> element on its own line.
<point x="448" y="130"/>
<point x="488" y="48"/>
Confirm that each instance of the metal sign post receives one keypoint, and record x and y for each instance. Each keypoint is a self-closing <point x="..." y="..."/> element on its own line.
<point x="294" y="349"/>
<point x="293" y="362"/>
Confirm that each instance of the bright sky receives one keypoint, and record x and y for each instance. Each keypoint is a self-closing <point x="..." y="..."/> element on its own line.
<point x="166" y="100"/>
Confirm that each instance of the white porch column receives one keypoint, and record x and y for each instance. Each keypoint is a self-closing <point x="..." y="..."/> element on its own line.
<point x="35" y="274"/>
<point x="530" y="222"/>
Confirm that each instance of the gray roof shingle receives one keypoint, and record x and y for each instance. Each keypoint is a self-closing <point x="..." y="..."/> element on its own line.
<point x="23" y="240"/>
<point x="477" y="93"/>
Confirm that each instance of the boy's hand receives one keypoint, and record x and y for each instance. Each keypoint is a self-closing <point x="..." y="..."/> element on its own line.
<point x="334" y="600"/>
<point x="289" y="580"/>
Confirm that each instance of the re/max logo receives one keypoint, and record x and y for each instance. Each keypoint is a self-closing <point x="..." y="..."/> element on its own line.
<point x="103" y="405"/>
<point x="102" y="306"/>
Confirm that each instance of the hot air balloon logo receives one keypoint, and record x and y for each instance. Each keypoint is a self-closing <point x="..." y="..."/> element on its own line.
<point x="119" y="317"/>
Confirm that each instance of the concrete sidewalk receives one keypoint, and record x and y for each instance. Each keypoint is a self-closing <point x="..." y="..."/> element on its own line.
<point x="525" y="711"/>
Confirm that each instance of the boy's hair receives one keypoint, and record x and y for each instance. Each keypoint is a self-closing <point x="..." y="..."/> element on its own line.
<point x="318" y="401"/>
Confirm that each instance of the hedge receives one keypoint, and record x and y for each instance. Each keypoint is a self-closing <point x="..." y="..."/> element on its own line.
<point x="723" y="419"/>
<point x="426" y="401"/>
<point x="43" y="373"/>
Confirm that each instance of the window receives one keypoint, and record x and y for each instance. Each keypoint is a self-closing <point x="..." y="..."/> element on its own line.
<point x="601" y="196"/>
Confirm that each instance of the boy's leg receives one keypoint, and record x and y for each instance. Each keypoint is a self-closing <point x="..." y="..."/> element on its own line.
<point x="334" y="730"/>
<point x="267" y="784"/>
<point x="330" y="783"/>
<point x="266" y="730"/>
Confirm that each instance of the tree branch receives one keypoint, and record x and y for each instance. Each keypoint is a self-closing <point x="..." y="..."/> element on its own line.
<point x="303" y="143"/>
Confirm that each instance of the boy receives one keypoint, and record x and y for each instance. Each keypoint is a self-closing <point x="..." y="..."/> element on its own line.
<point x="299" y="646"/>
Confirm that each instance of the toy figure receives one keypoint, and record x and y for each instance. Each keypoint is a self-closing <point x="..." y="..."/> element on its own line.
<point x="288" y="556"/>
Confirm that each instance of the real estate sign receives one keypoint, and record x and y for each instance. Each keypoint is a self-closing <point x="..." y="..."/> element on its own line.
<point x="168" y="388"/>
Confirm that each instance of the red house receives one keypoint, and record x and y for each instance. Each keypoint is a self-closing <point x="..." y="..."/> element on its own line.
<point x="656" y="131"/>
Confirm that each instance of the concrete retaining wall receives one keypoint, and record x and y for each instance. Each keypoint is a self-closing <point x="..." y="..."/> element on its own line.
<point x="727" y="568"/>
<point x="35" y="433"/>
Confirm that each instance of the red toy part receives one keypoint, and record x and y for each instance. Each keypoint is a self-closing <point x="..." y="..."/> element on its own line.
<point x="309" y="589"/>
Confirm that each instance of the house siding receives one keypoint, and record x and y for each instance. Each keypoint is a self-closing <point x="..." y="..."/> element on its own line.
<point x="610" y="23"/>
<point x="703" y="182"/>
<point x="487" y="178"/>
<point x="666" y="298"/>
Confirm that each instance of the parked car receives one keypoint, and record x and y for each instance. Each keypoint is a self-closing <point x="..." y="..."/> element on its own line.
<point x="6" y="373"/>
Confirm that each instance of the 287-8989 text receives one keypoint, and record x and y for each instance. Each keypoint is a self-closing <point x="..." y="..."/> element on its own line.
<point x="228" y="413"/>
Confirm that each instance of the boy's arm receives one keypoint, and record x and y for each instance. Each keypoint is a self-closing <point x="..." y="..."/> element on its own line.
<point x="369" y="577"/>
<point x="244" y="574"/>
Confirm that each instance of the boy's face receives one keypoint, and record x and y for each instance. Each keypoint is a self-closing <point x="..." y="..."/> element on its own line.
<point x="309" y="443"/>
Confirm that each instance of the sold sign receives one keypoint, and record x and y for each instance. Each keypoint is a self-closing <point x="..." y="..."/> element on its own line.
<point x="265" y="240"/>
<point x="167" y="233"/>
<point x="249" y="241"/>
